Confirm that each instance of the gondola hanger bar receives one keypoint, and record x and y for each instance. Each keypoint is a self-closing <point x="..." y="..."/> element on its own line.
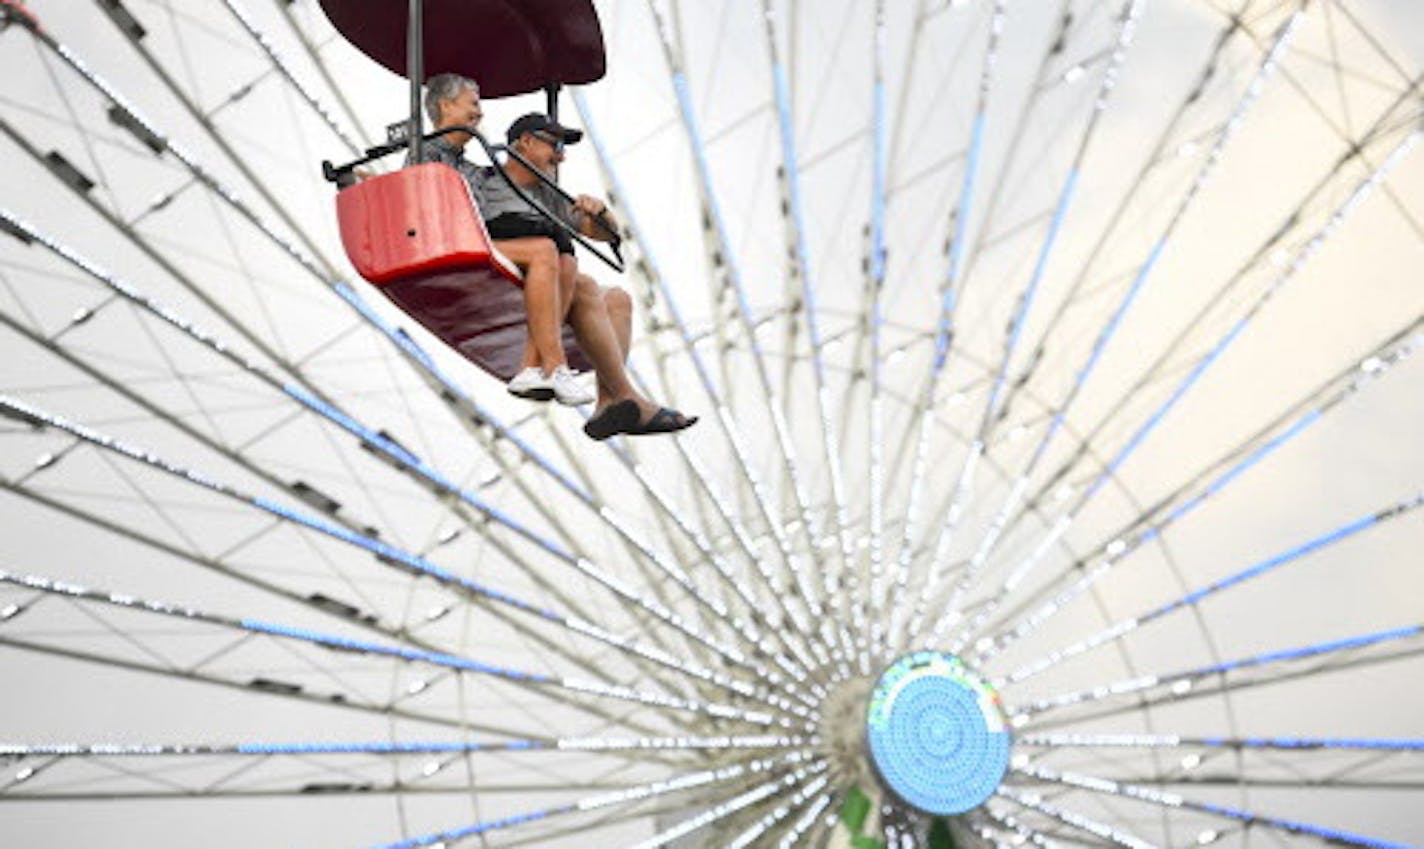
<point x="415" y="64"/>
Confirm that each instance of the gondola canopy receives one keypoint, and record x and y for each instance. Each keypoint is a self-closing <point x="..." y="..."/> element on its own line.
<point x="510" y="46"/>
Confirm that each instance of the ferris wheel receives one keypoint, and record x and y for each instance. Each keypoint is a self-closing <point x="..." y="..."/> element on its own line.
<point x="1058" y="478"/>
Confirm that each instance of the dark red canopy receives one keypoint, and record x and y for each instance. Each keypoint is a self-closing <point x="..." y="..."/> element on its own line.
<point x="507" y="46"/>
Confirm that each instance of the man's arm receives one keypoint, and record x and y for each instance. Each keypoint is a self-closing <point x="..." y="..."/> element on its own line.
<point x="586" y="209"/>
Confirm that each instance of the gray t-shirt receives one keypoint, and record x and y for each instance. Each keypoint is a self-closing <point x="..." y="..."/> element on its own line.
<point x="500" y="199"/>
<point x="440" y="150"/>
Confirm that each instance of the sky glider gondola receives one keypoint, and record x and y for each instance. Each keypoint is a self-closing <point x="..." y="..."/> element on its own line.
<point x="415" y="234"/>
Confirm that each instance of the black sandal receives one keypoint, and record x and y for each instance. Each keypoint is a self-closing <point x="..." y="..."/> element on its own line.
<point x="663" y="421"/>
<point x="622" y="417"/>
<point x="613" y="419"/>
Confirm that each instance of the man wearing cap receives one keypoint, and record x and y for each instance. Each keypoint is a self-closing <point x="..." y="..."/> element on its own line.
<point x="601" y="318"/>
<point x="540" y="140"/>
<point x="596" y="313"/>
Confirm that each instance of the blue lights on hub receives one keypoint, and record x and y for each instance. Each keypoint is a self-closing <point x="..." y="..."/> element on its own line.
<point x="936" y="734"/>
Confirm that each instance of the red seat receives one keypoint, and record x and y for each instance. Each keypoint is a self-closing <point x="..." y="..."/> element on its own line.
<point x="415" y="235"/>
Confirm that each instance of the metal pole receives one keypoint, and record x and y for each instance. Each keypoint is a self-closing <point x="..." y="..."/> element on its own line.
<point x="415" y="71"/>
<point x="551" y="101"/>
<point x="551" y="108"/>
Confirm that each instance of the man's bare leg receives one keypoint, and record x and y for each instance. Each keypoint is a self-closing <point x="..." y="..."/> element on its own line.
<point x="599" y="341"/>
<point x="620" y="313"/>
<point x="603" y="326"/>
<point x="543" y="305"/>
<point x="568" y="274"/>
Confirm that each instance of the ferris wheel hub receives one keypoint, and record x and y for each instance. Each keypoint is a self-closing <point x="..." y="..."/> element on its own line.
<point x="936" y="734"/>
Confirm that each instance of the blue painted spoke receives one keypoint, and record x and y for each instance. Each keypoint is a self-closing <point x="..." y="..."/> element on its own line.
<point x="1123" y="627"/>
<point x="1172" y="800"/>
<point x="1149" y="682"/>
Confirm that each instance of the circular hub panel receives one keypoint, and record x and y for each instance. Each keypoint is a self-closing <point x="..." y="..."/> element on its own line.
<point x="936" y="734"/>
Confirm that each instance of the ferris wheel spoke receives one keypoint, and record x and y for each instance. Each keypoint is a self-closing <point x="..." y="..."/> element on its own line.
<point x="1123" y="627"/>
<point x="869" y="598"/>
<point x="786" y="807"/>
<point x="791" y="214"/>
<point x="1009" y="824"/>
<point x="1207" y="483"/>
<point x="1072" y="819"/>
<point x="1284" y="744"/>
<point x="611" y="816"/>
<point x="267" y="688"/>
<point x="1271" y="59"/>
<point x="725" y="512"/>
<point x="404" y="561"/>
<point x="1300" y="763"/>
<point x="538" y="682"/>
<point x="1361" y="190"/>
<point x="368" y="438"/>
<point x="214" y="135"/>
<point x="109" y="771"/>
<point x="1011" y="503"/>
<point x="314" y="55"/>
<point x="1158" y="798"/>
<point x="1197" y="690"/>
<point x="1339" y="653"/>
<point x="799" y="270"/>
<point x="1301" y="213"/>
<point x="629" y="795"/>
<point x="333" y="766"/>
<point x="731" y="806"/>
<point x="727" y="269"/>
<point x="450" y="392"/>
<point x="280" y="65"/>
<point x="990" y="231"/>
<point x="980" y="445"/>
<point x="962" y="214"/>
<point x="809" y="819"/>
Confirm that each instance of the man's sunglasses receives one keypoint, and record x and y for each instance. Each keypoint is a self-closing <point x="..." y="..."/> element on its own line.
<point x="554" y="141"/>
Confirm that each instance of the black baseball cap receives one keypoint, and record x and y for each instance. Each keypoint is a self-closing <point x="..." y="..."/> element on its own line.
<point x="537" y="122"/>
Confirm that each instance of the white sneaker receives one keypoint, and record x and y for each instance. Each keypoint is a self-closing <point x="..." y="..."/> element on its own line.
<point x="567" y="389"/>
<point x="532" y="385"/>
